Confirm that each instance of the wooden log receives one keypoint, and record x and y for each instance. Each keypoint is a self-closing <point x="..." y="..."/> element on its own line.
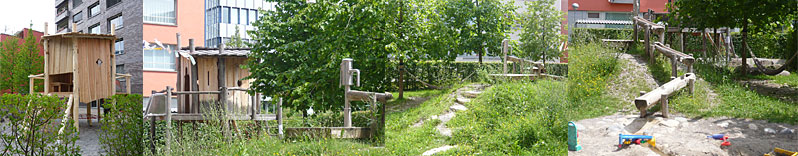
<point x="181" y="100"/>
<point x="647" y="100"/>
<point x="664" y="105"/>
<point x="667" y="51"/>
<point x="168" y="106"/>
<point x="355" y="95"/>
<point x="75" y="82"/>
<point x="194" y="85"/>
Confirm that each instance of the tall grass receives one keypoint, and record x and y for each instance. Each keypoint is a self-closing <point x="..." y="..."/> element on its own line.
<point x="515" y="118"/>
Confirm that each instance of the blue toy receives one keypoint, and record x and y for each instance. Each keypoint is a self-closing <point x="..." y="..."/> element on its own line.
<point x="636" y="139"/>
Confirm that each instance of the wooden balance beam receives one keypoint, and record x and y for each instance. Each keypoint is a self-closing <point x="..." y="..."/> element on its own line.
<point x="648" y="100"/>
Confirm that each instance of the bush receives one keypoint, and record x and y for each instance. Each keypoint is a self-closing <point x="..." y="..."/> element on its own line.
<point x="122" y="126"/>
<point x="448" y="73"/>
<point x="33" y="126"/>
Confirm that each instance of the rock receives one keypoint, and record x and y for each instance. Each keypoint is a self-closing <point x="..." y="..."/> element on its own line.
<point x="784" y="73"/>
<point x="752" y="126"/>
<point x="724" y="124"/>
<point x="458" y="107"/>
<point x="439" y="149"/>
<point x="471" y="94"/>
<point x="770" y="131"/>
<point x="461" y="100"/>
<point x="681" y="119"/>
<point x="787" y="131"/>
<point x="670" y="123"/>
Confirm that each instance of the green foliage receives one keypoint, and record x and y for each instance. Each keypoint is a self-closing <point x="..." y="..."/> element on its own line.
<point x="444" y="73"/>
<point x="122" y="126"/>
<point x="235" y="40"/>
<point x="405" y="139"/>
<point x="300" y="46"/>
<point x="540" y="36"/>
<point x="590" y="67"/>
<point x="523" y="118"/>
<point x="33" y="124"/>
<point x="18" y="61"/>
<point x="476" y="25"/>
<point x="763" y="15"/>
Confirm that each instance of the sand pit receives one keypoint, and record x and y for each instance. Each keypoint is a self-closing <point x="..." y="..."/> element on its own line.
<point x="684" y="136"/>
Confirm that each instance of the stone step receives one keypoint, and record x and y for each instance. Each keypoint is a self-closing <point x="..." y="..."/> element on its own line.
<point x="437" y="150"/>
<point x="458" y="107"/>
<point x="470" y="94"/>
<point x="462" y="100"/>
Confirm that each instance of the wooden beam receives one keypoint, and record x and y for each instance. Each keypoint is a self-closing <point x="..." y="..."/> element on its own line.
<point x="667" y="51"/>
<point x="75" y="82"/>
<point x="355" y="95"/>
<point x="168" y="106"/>
<point x="648" y="99"/>
<point x="46" y="56"/>
<point x="194" y="85"/>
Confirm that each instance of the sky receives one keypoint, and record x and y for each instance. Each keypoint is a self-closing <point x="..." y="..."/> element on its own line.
<point x="18" y="14"/>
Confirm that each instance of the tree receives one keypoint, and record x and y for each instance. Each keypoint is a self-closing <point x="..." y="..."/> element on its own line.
<point x="541" y="31"/>
<point x="750" y="15"/>
<point x="298" y="49"/>
<point x="18" y="61"/>
<point x="236" y="41"/>
<point x="476" y="25"/>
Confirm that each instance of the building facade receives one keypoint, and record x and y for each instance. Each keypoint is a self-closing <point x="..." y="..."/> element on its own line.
<point x="618" y="12"/>
<point x="97" y="16"/>
<point x="222" y="17"/>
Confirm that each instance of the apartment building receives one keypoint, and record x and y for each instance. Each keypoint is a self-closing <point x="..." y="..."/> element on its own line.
<point x="608" y="13"/>
<point x="97" y="16"/>
<point x="223" y="16"/>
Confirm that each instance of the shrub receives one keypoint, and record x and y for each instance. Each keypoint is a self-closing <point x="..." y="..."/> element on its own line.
<point x="448" y="73"/>
<point x="33" y="126"/>
<point x="122" y="126"/>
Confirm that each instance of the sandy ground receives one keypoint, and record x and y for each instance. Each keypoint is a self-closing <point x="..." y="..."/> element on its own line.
<point x="683" y="136"/>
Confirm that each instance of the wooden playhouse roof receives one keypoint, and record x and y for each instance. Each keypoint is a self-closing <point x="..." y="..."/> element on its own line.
<point x="81" y="35"/>
<point x="202" y="51"/>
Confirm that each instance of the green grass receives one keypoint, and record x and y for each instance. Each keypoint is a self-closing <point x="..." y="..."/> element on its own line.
<point x="514" y="118"/>
<point x="402" y="139"/>
<point x="591" y="67"/>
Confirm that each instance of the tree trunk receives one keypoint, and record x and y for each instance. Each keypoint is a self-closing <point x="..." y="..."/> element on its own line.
<point x="744" y="55"/>
<point x="401" y="78"/>
<point x="479" y="53"/>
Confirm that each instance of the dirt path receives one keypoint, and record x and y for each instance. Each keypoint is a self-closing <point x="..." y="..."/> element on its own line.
<point x="633" y="75"/>
<point x="460" y="96"/>
<point x="768" y="87"/>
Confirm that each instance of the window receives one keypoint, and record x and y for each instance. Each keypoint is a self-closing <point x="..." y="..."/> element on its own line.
<point x="94" y="29"/>
<point x="592" y="15"/>
<point x="120" y="87"/>
<point x="117" y="21"/>
<point x="76" y="3"/>
<point x="77" y="17"/>
<point x="159" y="59"/>
<point x="94" y="9"/>
<point x="225" y="15"/>
<point x="253" y="15"/>
<point x="234" y="16"/>
<point x="243" y="17"/>
<point x="111" y="3"/>
<point x="159" y="11"/>
<point x="119" y="47"/>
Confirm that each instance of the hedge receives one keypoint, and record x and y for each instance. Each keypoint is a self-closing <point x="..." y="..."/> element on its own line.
<point x="446" y="73"/>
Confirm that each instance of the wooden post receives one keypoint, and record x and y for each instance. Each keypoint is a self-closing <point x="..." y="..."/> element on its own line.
<point x="681" y="40"/>
<point x="664" y="104"/>
<point x="113" y="64"/>
<point x="181" y="101"/>
<point x="647" y="44"/>
<point x="46" y="70"/>
<point x="673" y="66"/>
<point x="690" y="85"/>
<point x="75" y="83"/>
<point x="643" y="110"/>
<point x="635" y="12"/>
<point x="168" y="120"/>
<point x="127" y="82"/>
<point x="152" y="135"/>
<point x="194" y="86"/>
<point x="220" y="76"/>
<point x="280" y="117"/>
<point x="30" y="86"/>
<point x="504" y="59"/>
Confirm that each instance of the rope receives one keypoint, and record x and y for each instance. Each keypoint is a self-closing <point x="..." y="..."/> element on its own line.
<point x="767" y="71"/>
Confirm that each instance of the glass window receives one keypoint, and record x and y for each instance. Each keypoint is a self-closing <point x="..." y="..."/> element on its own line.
<point x="76" y="3"/>
<point x="253" y="15"/>
<point x="117" y="21"/>
<point x="234" y="16"/>
<point x="243" y="17"/>
<point x="94" y="9"/>
<point x="159" y="11"/>
<point x="94" y="29"/>
<point x="119" y="47"/>
<point x="159" y="59"/>
<point x="225" y="15"/>
<point x="77" y="17"/>
<point x="111" y="3"/>
<point x="592" y="15"/>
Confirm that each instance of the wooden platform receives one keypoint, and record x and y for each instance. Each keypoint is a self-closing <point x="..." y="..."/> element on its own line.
<point x="332" y="132"/>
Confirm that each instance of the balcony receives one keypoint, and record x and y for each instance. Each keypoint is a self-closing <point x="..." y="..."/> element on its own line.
<point x="58" y="2"/>
<point x="622" y="1"/>
<point x="60" y="16"/>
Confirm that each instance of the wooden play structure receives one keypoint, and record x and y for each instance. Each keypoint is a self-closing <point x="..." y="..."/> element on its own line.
<point x="82" y="67"/>
<point x="660" y="94"/>
<point x="218" y="83"/>
<point x="347" y="131"/>
<point x="518" y="71"/>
